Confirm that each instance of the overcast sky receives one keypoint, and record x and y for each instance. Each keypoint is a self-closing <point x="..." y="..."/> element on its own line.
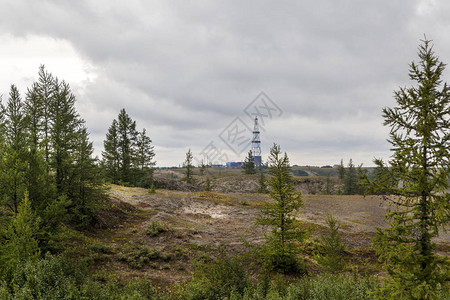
<point x="190" y="72"/>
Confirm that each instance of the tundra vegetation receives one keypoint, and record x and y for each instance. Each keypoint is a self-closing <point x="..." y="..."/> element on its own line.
<point x="76" y="227"/>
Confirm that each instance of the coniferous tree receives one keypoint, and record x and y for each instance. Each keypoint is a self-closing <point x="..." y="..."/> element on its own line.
<point x="280" y="214"/>
<point x="65" y="126"/>
<point x="328" y="184"/>
<point x="262" y="183"/>
<point x="128" y="154"/>
<point x="333" y="248"/>
<point x="249" y="164"/>
<point x="86" y="182"/>
<point x="350" y="179"/>
<point x="189" y="172"/>
<point x="127" y="139"/>
<point x="111" y="154"/>
<point x="21" y="236"/>
<point x="418" y="179"/>
<point x="143" y="160"/>
<point x="13" y="164"/>
<point x="45" y="89"/>
<point x="39" y="187"/>
<point x="341" y="170"/>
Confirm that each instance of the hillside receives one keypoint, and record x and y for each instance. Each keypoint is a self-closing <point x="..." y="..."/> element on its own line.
<point x="160" y="236"/>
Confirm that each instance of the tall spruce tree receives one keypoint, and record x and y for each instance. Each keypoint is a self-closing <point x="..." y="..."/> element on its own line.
<point x="280" y="214"/>
<point x="418" y="179"/>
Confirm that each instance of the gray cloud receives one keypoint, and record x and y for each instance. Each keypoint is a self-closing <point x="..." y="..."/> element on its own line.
<point x="184" y="70"/>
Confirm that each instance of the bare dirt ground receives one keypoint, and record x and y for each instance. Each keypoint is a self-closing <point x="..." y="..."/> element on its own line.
<point x="203" y="221"/>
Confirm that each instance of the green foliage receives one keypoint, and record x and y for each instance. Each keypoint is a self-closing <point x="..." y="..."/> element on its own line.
<point x="418" y="179"/>
<point x="128" y="154"/>
<point x="21" y="243"/>
<point x="100" y="248"/>
<point x="127" y="133"/>
<point x="111" y="155"/>
<point x="262" y="183"/>
<point x="155" y="228"/>
<point x="280" y="214"/>
<point x="189" y="167"/>
<point x="143" y="160"/>
<point x="152" y="189"/>
<point x="58" y="278"/>
<point x="44" y="149"/>
<point x="350" y="179"/>
<point x="249" y="164"/>
<point x="218" y="280"/>
<point x="331" y="287"/>
<point x="332" y="248"/>
<point x="139" y="256"/>
<point x="13" y="164"/>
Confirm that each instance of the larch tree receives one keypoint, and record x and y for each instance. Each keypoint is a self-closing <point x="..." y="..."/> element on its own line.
<point x="350" y="179"/>
<point x="143" y="160"/>
<point x="21" y="236"/>
<point x="39" y="188"/>
<point x="417" y="180"/>
<point x="189" y="167"/>
<point x="86" y="181"/>
<point x="249" y="164"/>
<point x="111" y="154"/>
<point x="13" y="161"/>
<point x="280" y="214"/>
<point x="45" y="89"/>
<point x="127" y="139"/>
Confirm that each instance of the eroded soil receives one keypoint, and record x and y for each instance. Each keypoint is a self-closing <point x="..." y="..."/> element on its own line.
<point x="200" y="222"/>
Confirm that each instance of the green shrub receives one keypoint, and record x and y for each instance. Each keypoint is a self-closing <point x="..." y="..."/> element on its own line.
<point x="332" y="287"/>
<point x="218" y="280"/>
<point x="139" y="256"/>
<point x="100" y="248"/>
<point x="156" y="228"/>
<point x="57" y="278"/>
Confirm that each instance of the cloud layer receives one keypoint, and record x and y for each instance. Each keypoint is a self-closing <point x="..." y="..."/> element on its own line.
<point x="185" y="70"/>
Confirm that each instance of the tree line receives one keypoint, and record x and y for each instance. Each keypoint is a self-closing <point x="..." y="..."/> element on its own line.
<point x="47" y="172"/>
<point x="128" y="153"/>
<point x="48" y="175"/>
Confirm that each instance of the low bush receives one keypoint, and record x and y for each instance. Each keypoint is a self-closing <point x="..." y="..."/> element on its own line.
<point x="218" y="280"/>
<point x="139" y="256"/>
<point x="57" y="278"/>
<point x="155" y="228"/>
